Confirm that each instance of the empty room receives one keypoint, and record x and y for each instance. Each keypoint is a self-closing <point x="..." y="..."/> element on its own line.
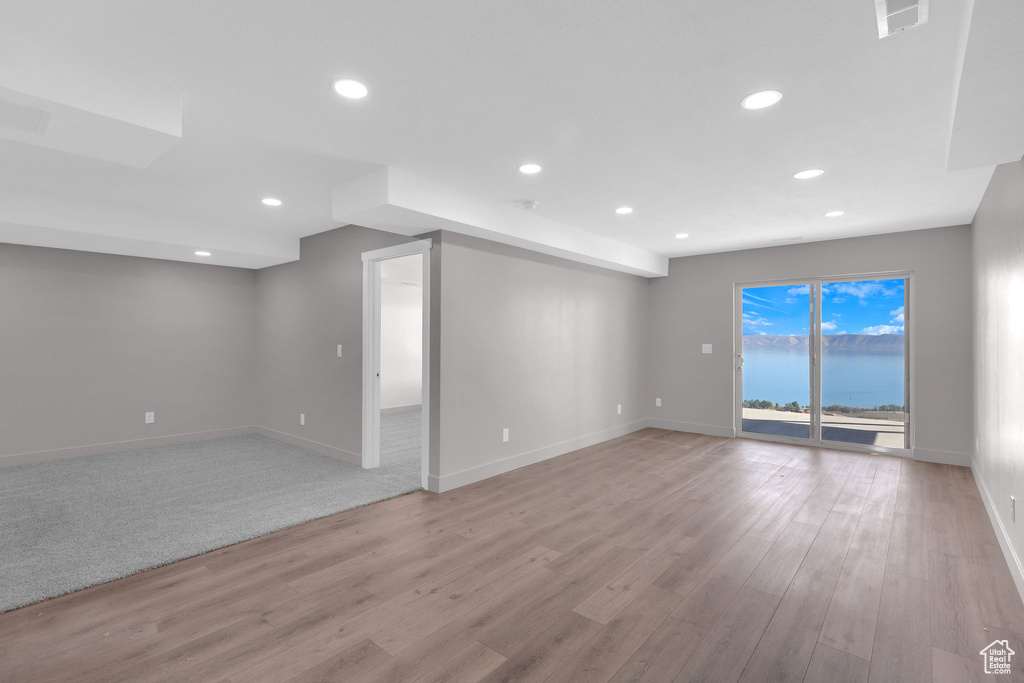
<point x="488" y="341"/>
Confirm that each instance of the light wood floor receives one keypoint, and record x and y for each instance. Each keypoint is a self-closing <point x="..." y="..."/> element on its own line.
<point x="658" y="556"/>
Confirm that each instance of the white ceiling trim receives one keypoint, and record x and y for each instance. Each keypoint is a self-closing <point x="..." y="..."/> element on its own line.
<point x="35" y="236"/>
<point x="398" y="201"/>
<point x="67" y="224"/>
<point x="77" y="131"/>
<point x="986" y="126"/>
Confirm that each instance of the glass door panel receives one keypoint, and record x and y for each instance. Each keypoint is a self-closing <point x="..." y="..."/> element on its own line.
<point x="776" y="353"/>
<point x="863" y="362"/>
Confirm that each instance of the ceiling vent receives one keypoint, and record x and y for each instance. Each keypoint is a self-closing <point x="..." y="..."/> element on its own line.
<point x="23" y="119"/>
<point x="899" y="15"/>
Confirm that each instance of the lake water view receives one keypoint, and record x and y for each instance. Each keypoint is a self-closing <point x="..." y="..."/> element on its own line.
<point x="855" y="378"/>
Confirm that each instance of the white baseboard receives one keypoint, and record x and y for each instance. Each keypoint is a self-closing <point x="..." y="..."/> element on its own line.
<point x="1012" y="560"/>
<point x="942" y="457"/>
<point x="174" y="439"/>
<point x="119" y="446"/>
<point x="496" y="467"/>
<point x="709" y="430"/>
<point x="315" y="446"/>
<point x="401" y="409"/>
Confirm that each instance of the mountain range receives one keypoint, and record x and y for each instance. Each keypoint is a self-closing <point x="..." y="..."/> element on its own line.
<point x="839" y="342"/>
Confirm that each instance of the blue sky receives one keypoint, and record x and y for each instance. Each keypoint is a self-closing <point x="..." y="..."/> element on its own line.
<point x="867" y="307"/>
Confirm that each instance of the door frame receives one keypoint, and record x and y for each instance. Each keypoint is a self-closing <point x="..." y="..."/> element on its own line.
<point x="371" y="351"/>
<point x="738" y="358"/>
<point x="816" y="282"/>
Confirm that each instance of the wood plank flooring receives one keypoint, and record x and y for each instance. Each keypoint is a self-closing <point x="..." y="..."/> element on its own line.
<point x="659" y="556"/>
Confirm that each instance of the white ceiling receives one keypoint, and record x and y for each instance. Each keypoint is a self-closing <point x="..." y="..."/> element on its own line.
<point x="187" y="112"/>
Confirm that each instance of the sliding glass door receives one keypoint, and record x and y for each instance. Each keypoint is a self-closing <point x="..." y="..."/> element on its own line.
<point x="825" y="361"/>
<point x="776" y="359"/>
<point x="864" y="362"/>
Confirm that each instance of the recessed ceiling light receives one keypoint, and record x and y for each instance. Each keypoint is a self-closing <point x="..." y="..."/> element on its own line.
<point x="271" y="201"/>
<point x="353" y="90"/>
<point x="203" y="253"/>
<point x="808" y="174"/>
<point x="760" y="100"/>
<point x="624" y="210"/>
<point x="834" y="214"/>
<point x="530" y="169"/>
<point x="682" y="236"/>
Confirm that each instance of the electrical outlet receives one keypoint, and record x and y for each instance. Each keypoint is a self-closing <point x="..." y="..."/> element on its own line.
<point x="657" y="403"/>
<point x="150" y="418"/>
<point x="705" y="348"/>
<point x="504" y="435"/>
<point x="618" y="409"/>
<point x="302" y="419"/>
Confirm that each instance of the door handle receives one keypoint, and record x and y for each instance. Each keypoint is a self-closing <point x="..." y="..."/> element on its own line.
<point x="740" y="356"/>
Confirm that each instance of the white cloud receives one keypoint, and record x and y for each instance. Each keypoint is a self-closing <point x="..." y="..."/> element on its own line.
<point x="862" y="290"/>
<point x="842" y="332"/>
<point x="759" y="298"/>
<point x="883" y="329"/>
<point x="754" y="303"/>
<point x="839" y="300"/>
<point x="897" y="315"/>
<point x="798" y="291"/>
<point x="828" y="326"/>
<point x="754" y="319"/>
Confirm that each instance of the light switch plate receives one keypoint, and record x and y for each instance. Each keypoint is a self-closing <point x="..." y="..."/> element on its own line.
<point x="339" y="350"/>
<point x="705" y="348"/>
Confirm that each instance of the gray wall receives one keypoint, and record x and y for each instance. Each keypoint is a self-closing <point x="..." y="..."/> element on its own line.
<point x="694" y="305"/>
<point x="90" y="342"/>
<point x="543" y="346"/>
<point x="999" y="343"/>
<point x="305" y="309"/>
<point x="540" y="345"/>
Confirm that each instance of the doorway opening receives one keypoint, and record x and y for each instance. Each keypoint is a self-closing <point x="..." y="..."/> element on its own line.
<point x="826" y="361"/>
<point x="396" y="377"/>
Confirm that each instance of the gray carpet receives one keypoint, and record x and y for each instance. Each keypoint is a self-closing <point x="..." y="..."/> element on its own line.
<point x="74" y="523"/>
<point x="400" y="437"/>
